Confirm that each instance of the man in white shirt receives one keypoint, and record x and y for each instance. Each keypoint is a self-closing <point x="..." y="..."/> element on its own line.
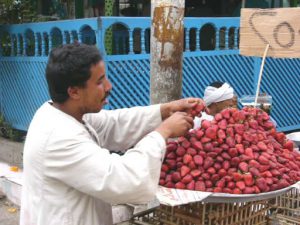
<point x="217" y="96"/>
<point x="70" y="176"/>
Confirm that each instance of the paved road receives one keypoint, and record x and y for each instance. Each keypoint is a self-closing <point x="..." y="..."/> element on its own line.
<point x="6" y="217"/>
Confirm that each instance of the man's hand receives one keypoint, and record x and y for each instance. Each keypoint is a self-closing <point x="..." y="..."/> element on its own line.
<point x="176" y="125"/>
<point x="182" y="105"/>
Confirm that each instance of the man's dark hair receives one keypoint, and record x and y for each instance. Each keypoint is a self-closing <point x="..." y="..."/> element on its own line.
<point x="217" y="84"/>
<point x="68" y="66"/>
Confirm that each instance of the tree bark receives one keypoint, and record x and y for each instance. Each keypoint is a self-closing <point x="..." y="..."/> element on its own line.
<point x="167" y="34"/>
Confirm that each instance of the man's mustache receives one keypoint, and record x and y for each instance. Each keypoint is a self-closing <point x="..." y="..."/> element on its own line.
<point x="106" y="95"/>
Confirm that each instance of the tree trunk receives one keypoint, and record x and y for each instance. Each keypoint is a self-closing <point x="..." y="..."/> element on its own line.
<point x="167" y="34"/>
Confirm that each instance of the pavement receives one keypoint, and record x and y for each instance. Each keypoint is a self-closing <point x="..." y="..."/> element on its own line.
<point x="9" y="212"/>
<point x="12" y="153"/>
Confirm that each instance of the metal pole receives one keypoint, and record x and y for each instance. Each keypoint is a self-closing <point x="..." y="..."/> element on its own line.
<point x="167" y="33"/>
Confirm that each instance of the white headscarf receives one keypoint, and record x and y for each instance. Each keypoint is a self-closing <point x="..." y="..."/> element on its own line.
<point x="212" y="94"/>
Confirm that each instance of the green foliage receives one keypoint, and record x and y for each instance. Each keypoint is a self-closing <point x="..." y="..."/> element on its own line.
<point x="9" y="132"/>
<point x="17" y="11"/>
<point x="23" y="11"/>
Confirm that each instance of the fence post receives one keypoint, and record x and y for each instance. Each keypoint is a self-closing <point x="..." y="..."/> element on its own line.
<point x="217" y="45"/>
<point x="198" y="39"/>
<point x="80" y="36"/>
<point x="12" y="53"/>
<point x="64" y="36"/>
<point x="227" y="38"/>
<point x="24" y="44"/>
<point x="72" y="39"/>
<point x="187" y="39"/>
<point x="18" y="45"/>
<point x="50" y="41"/>
<point x="36" y="44"/>
<point x="236" y="33"/>
<point x="131" y="33"/>
<point x="43" y="35"/>
<point x="100" y="36"/>
<point x="143" y="41"/>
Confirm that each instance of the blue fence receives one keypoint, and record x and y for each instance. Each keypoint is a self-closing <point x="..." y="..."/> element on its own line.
<point x="211" y="53"/>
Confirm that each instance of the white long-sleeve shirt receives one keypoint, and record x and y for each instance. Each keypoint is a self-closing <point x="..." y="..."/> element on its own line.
<point x="70" y="176"/>
<point x="198" y="120"/>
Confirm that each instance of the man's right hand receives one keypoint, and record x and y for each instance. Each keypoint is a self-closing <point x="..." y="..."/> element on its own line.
<point x="176" y="125"/>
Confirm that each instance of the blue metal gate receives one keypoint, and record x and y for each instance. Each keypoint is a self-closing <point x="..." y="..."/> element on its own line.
<point x="211" y="53"/>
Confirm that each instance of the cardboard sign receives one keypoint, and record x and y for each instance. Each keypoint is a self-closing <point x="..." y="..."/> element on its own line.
<point x="278" y="27"/>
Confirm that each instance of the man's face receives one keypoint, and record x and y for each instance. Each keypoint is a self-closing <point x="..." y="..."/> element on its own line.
<point x="96" y="90"/>
<point x="226" y="104"/>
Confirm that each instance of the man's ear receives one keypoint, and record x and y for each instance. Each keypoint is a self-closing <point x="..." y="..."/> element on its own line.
<point x="74" y="92"/>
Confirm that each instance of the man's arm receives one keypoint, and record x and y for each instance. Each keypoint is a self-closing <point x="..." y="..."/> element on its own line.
<point x="182" y="105"/>
<point x="121" y="129"/>
<point x="83" y="165"/>
<point x="74" y="159"/>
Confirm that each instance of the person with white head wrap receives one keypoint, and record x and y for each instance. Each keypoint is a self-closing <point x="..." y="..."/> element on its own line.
<point x="213" y="94"/>
<point x="217" y="96"/>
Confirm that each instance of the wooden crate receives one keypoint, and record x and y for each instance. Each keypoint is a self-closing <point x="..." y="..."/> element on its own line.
<point x="250" y="213"/>
<point x="286" y="209"/>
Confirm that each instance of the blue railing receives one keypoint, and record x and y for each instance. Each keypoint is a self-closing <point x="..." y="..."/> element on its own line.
<point x="210" y="53"/>
<point x="37" y="39"/>
<point x="130" y="35"/>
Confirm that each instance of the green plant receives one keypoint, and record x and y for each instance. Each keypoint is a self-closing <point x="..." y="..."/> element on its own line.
<point x="7" y="131"/>
<point x="17" y="11"/>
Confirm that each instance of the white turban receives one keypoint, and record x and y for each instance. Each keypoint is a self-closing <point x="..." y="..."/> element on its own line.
<point x="212" y="94"/>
